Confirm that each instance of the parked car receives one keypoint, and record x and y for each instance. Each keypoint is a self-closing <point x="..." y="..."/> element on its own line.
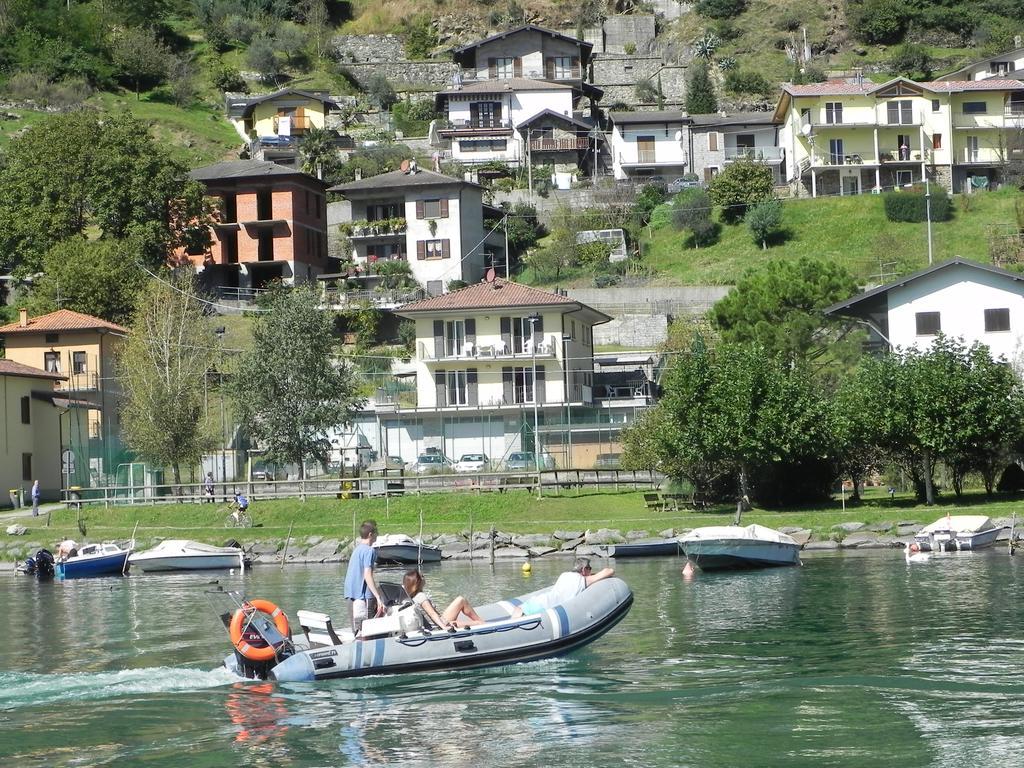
<point x="524" y="461"/>
<point x="430" y="462"/>
<point x="678" y="185"/>
<point x="472" y="462"/>
<point x="608" y="461"/>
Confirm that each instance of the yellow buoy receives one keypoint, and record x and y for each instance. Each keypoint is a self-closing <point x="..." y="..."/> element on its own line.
<point x="527" y="568"/>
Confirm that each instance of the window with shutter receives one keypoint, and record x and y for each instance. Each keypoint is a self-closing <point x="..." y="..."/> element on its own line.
<point x="492" y="68"/>
<point x="446" y="248"/>
<point x="517" y="67"/>
<point x="420" y="209"/>
<point x="508" y="383"/>
<point x="421" y="249"/>
<point x="712" y="141"/>
<point x="443" y="212"/>
<point x="472" y="387"/>
<point x="431" y="208"/>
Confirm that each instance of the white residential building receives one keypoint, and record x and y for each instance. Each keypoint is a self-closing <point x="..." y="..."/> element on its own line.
<point x="1003" y="65"/>
<point x="645" y="144"/>
<point x="434" y="222"/>
<point x="487" y="379"/>
<point x="958" y="298"/>
<point x="520" y="98"/>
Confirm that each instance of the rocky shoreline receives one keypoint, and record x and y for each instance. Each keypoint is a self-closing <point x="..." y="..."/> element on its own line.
<point x="512" y="546"/>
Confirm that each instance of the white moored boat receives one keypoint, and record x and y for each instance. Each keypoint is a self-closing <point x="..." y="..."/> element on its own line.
<point x="955" y="532"/>
<point x="184" y="555"/>
<point x="720" y="547"/>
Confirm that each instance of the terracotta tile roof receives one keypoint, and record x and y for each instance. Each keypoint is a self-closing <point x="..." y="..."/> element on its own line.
<point x="62" y="320"/>
<point x="499" y="294"/>
<point x="829" y="88"/>
<point x="11" y="368"/>
<point x="990" y="84"/>
<point x="843" y="87"/>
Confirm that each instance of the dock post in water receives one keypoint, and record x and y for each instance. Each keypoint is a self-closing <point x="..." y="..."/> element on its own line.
<point x="492" y="536"/>
<point x="284" y="555"/>
<point x="1013" y="524"/>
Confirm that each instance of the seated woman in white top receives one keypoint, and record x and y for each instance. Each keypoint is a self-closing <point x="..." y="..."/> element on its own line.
<point x="451" y="617"/>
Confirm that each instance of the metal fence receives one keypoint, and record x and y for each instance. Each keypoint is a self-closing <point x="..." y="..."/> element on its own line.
<point x="366" y="486"/>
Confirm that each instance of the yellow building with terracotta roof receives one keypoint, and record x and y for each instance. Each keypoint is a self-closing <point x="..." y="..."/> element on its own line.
<point x="80" y="350"/>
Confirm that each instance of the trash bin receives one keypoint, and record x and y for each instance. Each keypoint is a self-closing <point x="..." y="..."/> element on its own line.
<point x="14" y="497"/>
<point x="346" y="489"/>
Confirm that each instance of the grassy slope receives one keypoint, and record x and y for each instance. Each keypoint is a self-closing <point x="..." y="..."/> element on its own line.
<point x="852" y="231"/>
<point x="515" y="512"/>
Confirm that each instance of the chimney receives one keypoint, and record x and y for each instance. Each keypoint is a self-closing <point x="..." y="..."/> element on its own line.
<point x="23" y="318"/>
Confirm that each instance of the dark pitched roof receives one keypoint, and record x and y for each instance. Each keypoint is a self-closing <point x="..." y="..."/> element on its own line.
<point x="248" y="169"/>
<point x="656" y="116"/>
<point x="400" y="180"/>
<point x="518" y="30"/>
<point x="62" y="320"/>
<point x="11" y="368"/>
<point x="241" y="106"/>
<point x="839" y="308"/>
<point x="551" y="114"/>
<point x="494" y="295"/>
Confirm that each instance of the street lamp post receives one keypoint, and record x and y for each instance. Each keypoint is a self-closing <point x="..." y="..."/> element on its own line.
<point x="928" y="215"/>
<point x="534" y="318"/>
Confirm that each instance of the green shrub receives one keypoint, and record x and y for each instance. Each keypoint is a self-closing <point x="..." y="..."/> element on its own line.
<point x="691" y="209"/>
<point x="605" y="280"/>
<point x="227" y="78"/>
<point x="740" y="81"/>
<point x="420" y="38"/>
<point x="881" y="21"/>
<point x="910" y="205"/>
<point x="763" y="220"/>
<point x="911" y="60"/>
<point x="721" y="9"/>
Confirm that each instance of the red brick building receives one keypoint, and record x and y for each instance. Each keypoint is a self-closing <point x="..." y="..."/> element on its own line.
<point x="272" y="225"/>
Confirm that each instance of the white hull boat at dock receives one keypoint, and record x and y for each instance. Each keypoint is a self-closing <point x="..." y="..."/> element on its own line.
<point x="184" y="555"/>
<point x="958" y="532"/>
<point x="725" y="547"/>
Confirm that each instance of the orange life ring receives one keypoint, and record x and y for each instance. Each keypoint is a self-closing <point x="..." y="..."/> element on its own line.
<point x="235" y="630"/>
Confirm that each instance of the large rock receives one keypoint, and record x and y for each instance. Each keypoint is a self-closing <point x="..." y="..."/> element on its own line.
<point x="445" y="539"/>
<point x="867" y="541"/>
<point x="635" y="535"/>
<point x="264" y="548"/>
<point x="801" y="536"/>
<point x="322" y="550"/>
<point x="668" y="533"/>
<point x="531" y="540"/>
<point x="541" y="551"/>
<point x="312" y="541"/>
<point x="508" y="553"/>
<point x="827" y="544"/>
<point x="455" y="548"/>
<point x="571" y="544"/>
<point x="883" y="527"/>
<point x="604" y="536"/>
<point x="567" y="535"/>
<point x="789" y="530"/>
<point x="848" y="527"/>
<point x="908" y="529"/>
<point x="585" y="550"/>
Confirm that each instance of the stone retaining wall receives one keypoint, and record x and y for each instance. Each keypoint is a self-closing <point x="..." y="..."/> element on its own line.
<point x="405" y="75"/>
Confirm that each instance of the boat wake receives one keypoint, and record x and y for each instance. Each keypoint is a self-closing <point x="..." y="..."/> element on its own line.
<point x="19" y="689"/>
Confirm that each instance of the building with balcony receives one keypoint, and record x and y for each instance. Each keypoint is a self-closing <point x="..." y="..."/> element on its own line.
<point x="271" y="226"/>
<point x="1009" y="64"/>
<point x="272" y="124"/>
<point x="521" y="97"/>
<point x="36" y="423"/>
<point x="498" y="368"/>
<point x="958" y="298"/>
<point x="432" y="221"/>
<point x="720" y="139"/>
<point x="78" y="355"/>
<point x="646" y="144"/>
<point x="853" y="137"/>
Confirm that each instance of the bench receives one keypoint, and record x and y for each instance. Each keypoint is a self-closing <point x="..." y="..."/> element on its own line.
<point x="654" y="501"/>
<point x="318" y="628"/>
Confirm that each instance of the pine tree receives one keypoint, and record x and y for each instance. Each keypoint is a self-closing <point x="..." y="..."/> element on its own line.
<point x="700" y="92"/>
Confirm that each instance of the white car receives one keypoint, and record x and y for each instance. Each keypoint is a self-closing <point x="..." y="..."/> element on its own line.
<point x="472" y="462"/>
<point x="430" y="462"/>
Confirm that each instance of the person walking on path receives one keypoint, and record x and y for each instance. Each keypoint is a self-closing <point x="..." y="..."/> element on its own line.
<point x="36" y="493"/>
<point x="361" y="588"/>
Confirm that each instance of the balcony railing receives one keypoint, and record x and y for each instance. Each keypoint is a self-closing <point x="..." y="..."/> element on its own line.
<point x="479" y="124"/>
<point x="760" y="154"/>
<point x="493" y="350"/>
<point x="362" y="229"/>
<point x="646" y="156"/>
<point x="474" y="76"/>
<point x="557" y="145"/>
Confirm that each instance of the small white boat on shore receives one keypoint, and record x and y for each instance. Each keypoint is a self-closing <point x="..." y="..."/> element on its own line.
<point x="956" y="532"/>
<point x="722" y="547"/>
<point x="399" y="549"/>
<point x="185" y="555"/>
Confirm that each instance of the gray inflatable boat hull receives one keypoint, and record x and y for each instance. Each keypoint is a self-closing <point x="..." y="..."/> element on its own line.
<point x="502" y="640"/>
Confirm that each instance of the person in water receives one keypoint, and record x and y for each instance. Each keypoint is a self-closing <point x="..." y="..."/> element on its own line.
<point x="450" y="617"/>
<point x="568" y="585"/>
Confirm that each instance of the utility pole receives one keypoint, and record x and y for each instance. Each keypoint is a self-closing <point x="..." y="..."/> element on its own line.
<point x="536" y="411"/>
<point x="529" y="164"/>
<point x="568" y="405"/>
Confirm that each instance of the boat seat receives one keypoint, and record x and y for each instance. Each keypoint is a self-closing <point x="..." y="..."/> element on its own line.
<point x="318" y="628"/>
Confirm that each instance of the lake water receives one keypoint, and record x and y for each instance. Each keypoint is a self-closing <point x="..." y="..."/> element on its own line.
<point x="851" y="660"/>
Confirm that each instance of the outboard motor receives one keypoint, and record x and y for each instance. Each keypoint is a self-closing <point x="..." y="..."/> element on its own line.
<point x="41" y="565"/>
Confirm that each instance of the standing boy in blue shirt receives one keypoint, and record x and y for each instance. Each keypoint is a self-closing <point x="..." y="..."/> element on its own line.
<point x="361" y="588"/>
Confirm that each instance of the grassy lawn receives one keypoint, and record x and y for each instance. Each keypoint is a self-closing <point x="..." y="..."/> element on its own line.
<point x="8" y="128"/>
<point x="514" y="512"/>
<point x="852" y="231"/>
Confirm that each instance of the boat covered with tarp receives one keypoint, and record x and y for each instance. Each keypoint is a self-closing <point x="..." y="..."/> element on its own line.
<point x="400" y="642"/>
<point x="721" y="547"/>
<point x="399" y="549"/>
<point x="956" y="532"/>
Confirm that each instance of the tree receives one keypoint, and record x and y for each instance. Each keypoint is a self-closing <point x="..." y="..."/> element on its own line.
<point x="262" y="57"/>
<point x="315" y="15"/>
<point x="163" y="368"/>
<point x="778" y="306"/>
<point x="380" y="92"/>
<point x="319" y="157"/>
<point x="731" y="411"/>
<point x="721" y="9"/>
<point x="100" y="172"/>
<point x="691" y="210"/>
<point x="881" y="21"/>
<point x="740" y="185"/>
<point x="764" y="219"/>
<point x="420" y="38"/>
<point x="290" y="389"/>
<point x="911" y="60"/>
<point x="96" y="277"/>
<point x="700" y="92"/>
<point x="140" y="57"/>
<point x="395" y="274"/>
<point x="290" y="40"/>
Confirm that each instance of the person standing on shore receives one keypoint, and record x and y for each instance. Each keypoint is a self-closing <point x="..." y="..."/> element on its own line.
<point x="361" y="588"/>
<point x="36" y="494"/>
